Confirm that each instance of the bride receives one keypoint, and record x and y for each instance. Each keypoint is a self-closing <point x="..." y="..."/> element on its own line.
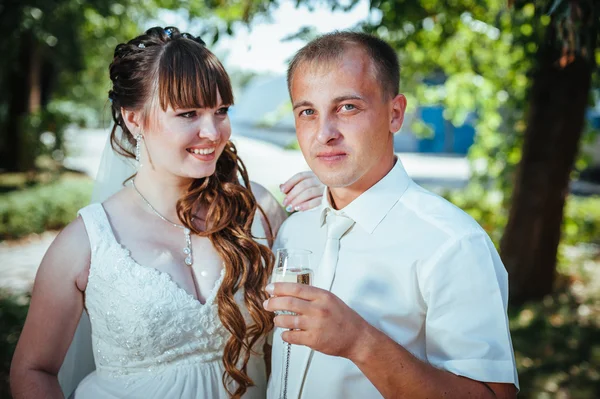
<point x="170" y="269"/>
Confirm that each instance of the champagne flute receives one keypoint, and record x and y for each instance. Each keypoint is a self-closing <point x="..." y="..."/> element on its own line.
<point x="291" y="266"/>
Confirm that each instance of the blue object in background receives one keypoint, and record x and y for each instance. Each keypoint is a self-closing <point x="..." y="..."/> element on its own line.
<point x="433" y="116"/>
<point x="593" y="115"/>
<point x="446" y="137"/>
<point x="464" y="137"/>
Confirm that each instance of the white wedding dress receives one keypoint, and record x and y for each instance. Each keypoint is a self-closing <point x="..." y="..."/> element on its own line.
<point x="150" y="338"/>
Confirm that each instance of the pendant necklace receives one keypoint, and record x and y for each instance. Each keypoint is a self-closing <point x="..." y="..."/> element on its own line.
<point x="187" y="250"/>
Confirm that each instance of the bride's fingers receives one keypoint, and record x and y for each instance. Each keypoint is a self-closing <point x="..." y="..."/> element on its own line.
<point x="298" y="189"/>
<point x="294" y="180"/>
<point x="313" y="199"/>
<point x="304" y="191"/>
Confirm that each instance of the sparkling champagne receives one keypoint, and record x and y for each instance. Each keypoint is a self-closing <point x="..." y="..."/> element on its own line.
<point x="293" y="275"/>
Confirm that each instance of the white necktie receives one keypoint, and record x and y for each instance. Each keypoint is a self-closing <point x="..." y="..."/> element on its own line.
<point x="337" y="226"/>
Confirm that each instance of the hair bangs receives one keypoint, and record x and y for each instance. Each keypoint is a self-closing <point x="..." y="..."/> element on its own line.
<point x="190" y="76"/>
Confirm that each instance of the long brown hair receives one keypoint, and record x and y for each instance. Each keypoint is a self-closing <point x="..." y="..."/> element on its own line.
<point x="176" y="69"/>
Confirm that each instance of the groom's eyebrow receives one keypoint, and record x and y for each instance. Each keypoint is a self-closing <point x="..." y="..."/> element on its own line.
<point x="348" y="97"/>
<point x="303" y="104"/>
<point x="335" y="100"/>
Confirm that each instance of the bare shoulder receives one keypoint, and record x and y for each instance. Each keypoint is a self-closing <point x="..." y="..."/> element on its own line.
<point x="69" y="254"/>
<point x="269" y="205"/>
<point x="56" y="305"/>
<point x="260" y="192"/>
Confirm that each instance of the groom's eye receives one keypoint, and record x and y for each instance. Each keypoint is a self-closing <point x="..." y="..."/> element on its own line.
<point x="307" y="112"/>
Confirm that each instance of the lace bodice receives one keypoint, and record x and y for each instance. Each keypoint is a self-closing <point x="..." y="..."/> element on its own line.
<point x="141" y="319"/>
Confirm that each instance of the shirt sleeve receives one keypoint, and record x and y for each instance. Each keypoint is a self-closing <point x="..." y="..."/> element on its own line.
<point x="465" y="287"/>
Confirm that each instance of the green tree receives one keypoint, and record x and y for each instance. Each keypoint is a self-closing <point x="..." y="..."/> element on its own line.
<point x="42" y="41"/>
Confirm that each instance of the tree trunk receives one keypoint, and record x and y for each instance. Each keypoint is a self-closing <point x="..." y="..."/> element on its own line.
<point x="25" y="92"/>
<point x="557" y="104"/>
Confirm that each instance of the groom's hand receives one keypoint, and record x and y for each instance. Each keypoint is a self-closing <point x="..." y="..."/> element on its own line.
<point x="323" y="321"/>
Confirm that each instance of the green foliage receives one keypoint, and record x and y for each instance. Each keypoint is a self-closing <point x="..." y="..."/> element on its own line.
<point x="41" y="208"/>
<point x="13" y="311"/>
<point x="581" y="221"/>
<point x="475" y="57"/>
<point x="43" y="136"/>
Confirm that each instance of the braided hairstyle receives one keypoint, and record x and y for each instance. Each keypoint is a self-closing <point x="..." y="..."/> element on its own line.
<point x="164" y="67"/>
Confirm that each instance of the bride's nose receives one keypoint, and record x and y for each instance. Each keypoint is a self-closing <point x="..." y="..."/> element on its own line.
<point x="208" y="130"/>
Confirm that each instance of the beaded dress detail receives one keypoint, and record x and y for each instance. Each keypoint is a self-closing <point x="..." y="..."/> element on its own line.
<point x="151" y="338"/>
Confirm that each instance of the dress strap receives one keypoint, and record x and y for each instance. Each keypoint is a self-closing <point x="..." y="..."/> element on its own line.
<point x="97" y="226"/>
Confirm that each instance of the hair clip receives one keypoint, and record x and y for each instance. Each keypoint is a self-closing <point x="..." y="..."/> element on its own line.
<point x="141" y="45"/>
<point x="169" y="32"/>
<point x="185" y="35"/>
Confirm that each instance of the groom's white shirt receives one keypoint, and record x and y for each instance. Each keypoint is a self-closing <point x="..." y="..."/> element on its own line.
<point x="415" y="267"/>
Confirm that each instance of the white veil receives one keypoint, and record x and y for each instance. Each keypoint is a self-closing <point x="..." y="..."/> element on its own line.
<point x="114" y="169"/>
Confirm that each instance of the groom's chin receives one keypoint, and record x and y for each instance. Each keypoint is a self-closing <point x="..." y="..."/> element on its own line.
<point x="334" y="178"/>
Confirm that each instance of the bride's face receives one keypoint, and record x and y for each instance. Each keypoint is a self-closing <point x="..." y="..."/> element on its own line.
<point x="187" y="142"/>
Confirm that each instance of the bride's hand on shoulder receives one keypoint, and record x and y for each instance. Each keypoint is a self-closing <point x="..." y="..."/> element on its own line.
<point x="54" y="312"/>
<point x="303" y="191"/>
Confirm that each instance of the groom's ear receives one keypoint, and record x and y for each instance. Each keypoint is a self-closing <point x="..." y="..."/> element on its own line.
<point x="397" y="110"/>
<point x="132" y="120"/>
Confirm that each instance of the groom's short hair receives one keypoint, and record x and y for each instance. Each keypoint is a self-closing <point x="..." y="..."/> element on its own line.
<point x="332" y="46"/>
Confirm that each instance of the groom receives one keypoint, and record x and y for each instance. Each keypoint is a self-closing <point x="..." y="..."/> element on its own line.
<point x="409" y="297"/>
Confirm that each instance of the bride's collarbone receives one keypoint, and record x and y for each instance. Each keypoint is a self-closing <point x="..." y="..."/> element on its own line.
<point x="162" y="248"/>
<point x="153" y="242"/>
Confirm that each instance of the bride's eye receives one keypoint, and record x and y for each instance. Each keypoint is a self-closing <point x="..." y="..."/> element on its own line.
<point x="187" y="115"/>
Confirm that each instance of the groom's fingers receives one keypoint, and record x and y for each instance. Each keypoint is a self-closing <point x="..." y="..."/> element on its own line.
<point x="288" y="303"/>
<point x="290" y="322"/>
<point x="296" y="337"/>
<point x="302" y="291"/>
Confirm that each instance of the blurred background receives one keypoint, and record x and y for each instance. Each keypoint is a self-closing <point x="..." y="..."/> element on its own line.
<point x="503" y="120"/>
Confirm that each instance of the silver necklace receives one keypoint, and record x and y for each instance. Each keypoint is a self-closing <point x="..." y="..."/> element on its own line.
<point x="187" y="250"/>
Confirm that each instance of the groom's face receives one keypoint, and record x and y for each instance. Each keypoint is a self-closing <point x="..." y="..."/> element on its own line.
<point x="342" y="119"/>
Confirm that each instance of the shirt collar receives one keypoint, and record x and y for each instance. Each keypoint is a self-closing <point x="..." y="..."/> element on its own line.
<point x="369" y="209"/>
